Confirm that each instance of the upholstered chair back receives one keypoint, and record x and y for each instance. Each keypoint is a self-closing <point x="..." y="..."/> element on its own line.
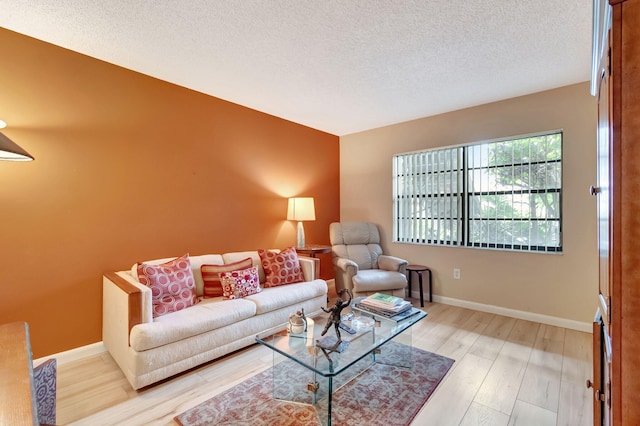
<point x="358" y="241"/>
<point x="45" y="379"/>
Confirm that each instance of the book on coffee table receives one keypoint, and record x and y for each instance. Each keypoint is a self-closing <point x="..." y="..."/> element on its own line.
<point x="393" y="316"/>
<point x="384" y="304"/>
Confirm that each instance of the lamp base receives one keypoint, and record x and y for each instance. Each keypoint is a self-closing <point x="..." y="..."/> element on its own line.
<point x="300" y="235"/>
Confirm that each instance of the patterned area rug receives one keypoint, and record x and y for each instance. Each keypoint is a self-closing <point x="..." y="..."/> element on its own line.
<point x="381" y="395"/>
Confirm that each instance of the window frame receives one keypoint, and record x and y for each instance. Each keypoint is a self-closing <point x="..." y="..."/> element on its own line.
<point x="403" y="173"/>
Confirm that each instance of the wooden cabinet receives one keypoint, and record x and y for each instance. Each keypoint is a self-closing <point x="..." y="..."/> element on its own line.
<point x="616" y="336"/>
<point x="17" y="398"/>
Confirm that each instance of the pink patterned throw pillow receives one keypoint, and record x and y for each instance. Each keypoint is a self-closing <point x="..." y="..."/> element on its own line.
<point x="240" y="283"/>
<point x="172" y="285"/>
<point x="211" y="276"/>
<point x="281" y="268"/>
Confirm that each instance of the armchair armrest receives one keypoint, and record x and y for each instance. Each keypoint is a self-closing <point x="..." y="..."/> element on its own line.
<point x="392" y="263"/>
<point x="345" y="270"/>
<point x="347" y="265"/>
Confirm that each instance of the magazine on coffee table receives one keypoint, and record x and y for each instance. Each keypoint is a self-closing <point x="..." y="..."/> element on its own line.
<point x="385" y="315"/>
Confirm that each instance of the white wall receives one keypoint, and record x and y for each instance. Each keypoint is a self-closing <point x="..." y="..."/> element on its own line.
<point x="556" y="285"/>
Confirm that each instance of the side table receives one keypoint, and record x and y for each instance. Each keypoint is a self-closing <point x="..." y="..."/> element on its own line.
<point x="419" y="270"/>
<point x="313" y="249"/>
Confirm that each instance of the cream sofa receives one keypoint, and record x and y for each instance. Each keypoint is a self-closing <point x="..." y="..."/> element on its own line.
<point x="150" y="349"/>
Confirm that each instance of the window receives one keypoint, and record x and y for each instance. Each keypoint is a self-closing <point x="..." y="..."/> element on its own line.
<point x="503" y="194"/>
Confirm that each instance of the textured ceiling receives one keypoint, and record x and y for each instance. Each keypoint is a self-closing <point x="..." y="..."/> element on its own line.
<point x="340" y="66"/>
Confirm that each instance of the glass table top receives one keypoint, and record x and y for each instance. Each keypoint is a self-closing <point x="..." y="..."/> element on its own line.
<point x="303" y="347"/>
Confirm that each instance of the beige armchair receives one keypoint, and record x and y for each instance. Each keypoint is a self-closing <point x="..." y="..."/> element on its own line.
<point x="359" y="263"/>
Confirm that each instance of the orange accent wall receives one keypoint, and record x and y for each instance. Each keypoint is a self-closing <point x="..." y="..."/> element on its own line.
<point x="130" y="168"/>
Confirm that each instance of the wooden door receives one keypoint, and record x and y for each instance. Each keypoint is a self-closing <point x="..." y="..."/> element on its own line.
<point x="617" y="84"/>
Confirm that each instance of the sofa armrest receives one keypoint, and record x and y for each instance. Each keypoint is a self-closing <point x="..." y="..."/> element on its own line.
<point x="125" y="304"/>
<point x="310" y="267"/>
<point x="392" y="263"/>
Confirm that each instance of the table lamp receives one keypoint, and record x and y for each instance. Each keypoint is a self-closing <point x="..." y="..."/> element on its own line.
<point x="301" y="209"/>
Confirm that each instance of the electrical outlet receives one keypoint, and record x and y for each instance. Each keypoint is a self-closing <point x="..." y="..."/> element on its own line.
<point x="456" y="273"/>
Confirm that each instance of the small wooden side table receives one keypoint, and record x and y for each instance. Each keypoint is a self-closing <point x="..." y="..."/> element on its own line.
<point x="420" y="269"/>
<point x="313" y="249"/>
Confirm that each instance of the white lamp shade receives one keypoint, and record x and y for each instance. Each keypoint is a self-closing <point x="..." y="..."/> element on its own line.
<point x="301" y="208"/>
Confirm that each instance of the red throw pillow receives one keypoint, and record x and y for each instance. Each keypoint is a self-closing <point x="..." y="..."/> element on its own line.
<point x="241" y="283"/>
<point x="172" y="285"/>
<point x="211" y="276"/>
<point x="281" y="268"/>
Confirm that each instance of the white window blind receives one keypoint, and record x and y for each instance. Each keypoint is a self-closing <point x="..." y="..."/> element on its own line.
<point x="429" y="195"/>
<point x="503" y="194"/>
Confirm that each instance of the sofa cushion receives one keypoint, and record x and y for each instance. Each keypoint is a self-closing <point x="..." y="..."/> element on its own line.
<point x="211" y="278"/>
<point x="271" y="299"/>
<point x="207" y="315"/>
<point x="281" y="268"/>
<point x="240" y="283"/>
<point x="172" y="285"/>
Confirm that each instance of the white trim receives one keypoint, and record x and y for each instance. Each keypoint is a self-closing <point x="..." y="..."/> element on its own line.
<point x="587" y="327"/>
<point x="74" y="354"/>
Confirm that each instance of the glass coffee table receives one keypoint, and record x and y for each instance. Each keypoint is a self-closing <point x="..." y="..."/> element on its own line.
<point x="305" y="373"/>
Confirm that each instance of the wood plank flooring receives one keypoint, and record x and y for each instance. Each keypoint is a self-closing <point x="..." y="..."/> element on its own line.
<point x="507" y="372"/>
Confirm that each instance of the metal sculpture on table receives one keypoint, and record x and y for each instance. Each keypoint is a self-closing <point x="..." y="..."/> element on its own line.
<point x="334" y="344"/>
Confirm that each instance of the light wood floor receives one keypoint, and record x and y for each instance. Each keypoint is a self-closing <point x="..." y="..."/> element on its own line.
<point x="507" y="372"/>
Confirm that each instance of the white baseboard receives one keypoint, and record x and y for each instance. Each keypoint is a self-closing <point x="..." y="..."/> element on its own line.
<point x="74" y="354"/>
<point x="587" y="327"/>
